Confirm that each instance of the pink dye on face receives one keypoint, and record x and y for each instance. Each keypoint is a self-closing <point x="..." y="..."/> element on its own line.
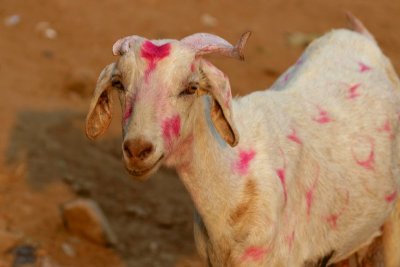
<point x="353" y="91"/>
<point x="242" y="164"/>
<point x="129" y="102"/>
<point x="254" y="254"/>
<point x="293" y="137"/>
<point x="281" y="172"/>
<point x="171" y="128"/>
<point x="323" y="116"/>
<point x="363" y="67"/>
<point x="390" y="198"/>
<point x="153" y="54"/>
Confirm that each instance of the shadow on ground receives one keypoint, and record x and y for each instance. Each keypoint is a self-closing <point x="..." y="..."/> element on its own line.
<point x="152" y="220"/>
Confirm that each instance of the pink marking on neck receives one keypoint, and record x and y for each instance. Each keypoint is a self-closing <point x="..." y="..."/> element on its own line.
<point x="242" y="164"/>
<point x="293" y="137"/>
<point x="171" y="129"/>
<point x="192" y="67"/>
<point x="363" y="67"/>
<point x="353" y="91"/>
<point x="290" y="239"/>
<point x="254" y="254"/>
<point x="310" y="193"/>
<point x="390" y="198"/>
<point x="153" y="54"/>
<point x="282" y="177"/>
<point x="323" y="116"/>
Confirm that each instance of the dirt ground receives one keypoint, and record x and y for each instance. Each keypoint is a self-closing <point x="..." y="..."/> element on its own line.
<point x="46" y="82"/>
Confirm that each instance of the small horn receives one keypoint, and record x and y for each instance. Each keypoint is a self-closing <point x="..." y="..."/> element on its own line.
<point x="205" y="43"/>
<point x="123" y="45"/>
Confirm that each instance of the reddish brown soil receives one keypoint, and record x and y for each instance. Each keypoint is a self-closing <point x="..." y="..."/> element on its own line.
<point x="45" y="158"/>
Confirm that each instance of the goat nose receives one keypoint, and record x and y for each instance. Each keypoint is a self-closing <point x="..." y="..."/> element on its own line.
<point x="138" y="149"/>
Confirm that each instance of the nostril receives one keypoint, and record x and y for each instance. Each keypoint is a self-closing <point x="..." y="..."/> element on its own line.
<point x="138" y="149"/>
<point x="127" y="150"/>
<point x="145" y="152"/>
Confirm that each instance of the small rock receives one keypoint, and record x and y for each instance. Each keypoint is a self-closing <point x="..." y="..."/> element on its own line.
<point x="154" y="247"/>
<point x="46" y="30"/>
<point x="8" y="240"/>
<point x="85" y="218"/>
<point x="68" y="250"/>
<point x="209" y="20"/>
<point x="24" y="256"/>
<point x="137" y="211"/>
<point x="12" y="20"/>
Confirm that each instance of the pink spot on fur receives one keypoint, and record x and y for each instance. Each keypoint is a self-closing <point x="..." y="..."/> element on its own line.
<point x="353" y="91"/>
<point x="281" y="173"/>
<point x="192" y="67"/>
<point x="333" y="218"/>
<point x="387" y="127"/>
<point x="254" y="254"/>
<point x="171" y="128"/>
<point x="129" y="102"/>
<point x="242" y="164"/>
<point x="323" y="116"/>
<point x="290" y="239"/>
<point x="293" y="137"/>
<point x="369" y="162"/>
<point x="363" y="67"/>
<point x="282" y="177"/>
<point x="153" y="54"/>
<point x="310" y="193"/>
<point x="390" y="198"/>
<point x="286" y="77"/>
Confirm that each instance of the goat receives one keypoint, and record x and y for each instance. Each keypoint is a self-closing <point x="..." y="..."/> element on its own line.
<point x="303" y="174"/>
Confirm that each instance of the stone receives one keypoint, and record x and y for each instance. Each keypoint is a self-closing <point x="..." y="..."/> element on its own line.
<point x="84" y="217"/>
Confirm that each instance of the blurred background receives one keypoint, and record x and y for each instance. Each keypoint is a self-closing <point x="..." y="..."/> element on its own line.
<point x="51" y="53"/>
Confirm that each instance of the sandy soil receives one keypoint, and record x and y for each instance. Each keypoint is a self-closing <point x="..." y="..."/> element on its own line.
<point x="45" y="158"/>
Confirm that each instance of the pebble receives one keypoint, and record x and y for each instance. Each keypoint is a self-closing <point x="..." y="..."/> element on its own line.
<point x="209" y="20"/>
<point x="12" y="20"/>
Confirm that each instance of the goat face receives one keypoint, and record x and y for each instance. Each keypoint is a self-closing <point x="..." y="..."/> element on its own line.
<point x="159" y="85"/>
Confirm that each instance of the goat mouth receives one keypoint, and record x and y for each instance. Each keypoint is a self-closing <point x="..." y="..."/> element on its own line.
<point x="143" y="172"/>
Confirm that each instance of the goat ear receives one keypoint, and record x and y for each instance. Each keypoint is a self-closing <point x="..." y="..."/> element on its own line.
<point x="100" y="112"/>
<point x="215" y="83"/>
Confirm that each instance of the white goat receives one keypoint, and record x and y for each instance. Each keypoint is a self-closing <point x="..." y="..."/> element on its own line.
<point x="316" y="171"/>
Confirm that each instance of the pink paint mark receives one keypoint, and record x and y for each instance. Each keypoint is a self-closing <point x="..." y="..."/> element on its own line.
<point x="370" y="161"/>
<point x="364" y="67"/>
<point x="290" y="239"/>
<point x="310" y="193"/>
<point x="281" y="172"/>
<point x="390" y="198"/>
<point x="286" y="77"/>
<point x="353" y="91"/>
<point x="192" y="67"/>
<point x="171" y="128"/>
<point x="293" y="137"/>
<point x="129" y="102"/>
<point x="333" y="218"/>
<point x="387" y="127"/>
<point x="153" y="54"/>
<point x="323" y="116"/>
<point x="242" y="164"/>
<point x="254" y="254"/>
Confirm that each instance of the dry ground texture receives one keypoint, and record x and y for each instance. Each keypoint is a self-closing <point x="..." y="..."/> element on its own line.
<point x="46" y="79"/>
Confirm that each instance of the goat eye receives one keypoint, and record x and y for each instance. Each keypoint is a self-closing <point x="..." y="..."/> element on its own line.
<point x="190" y="89"/>
<point x="117" y="84"/>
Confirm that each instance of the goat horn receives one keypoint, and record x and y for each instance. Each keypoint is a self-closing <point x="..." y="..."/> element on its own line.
<point x="205" y="43"/>
<point x="123" y="45"/>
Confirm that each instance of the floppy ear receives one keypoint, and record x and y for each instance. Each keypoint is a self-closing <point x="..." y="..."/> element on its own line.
<point x="100" y="112"/>
<point x="216" y="84"/>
